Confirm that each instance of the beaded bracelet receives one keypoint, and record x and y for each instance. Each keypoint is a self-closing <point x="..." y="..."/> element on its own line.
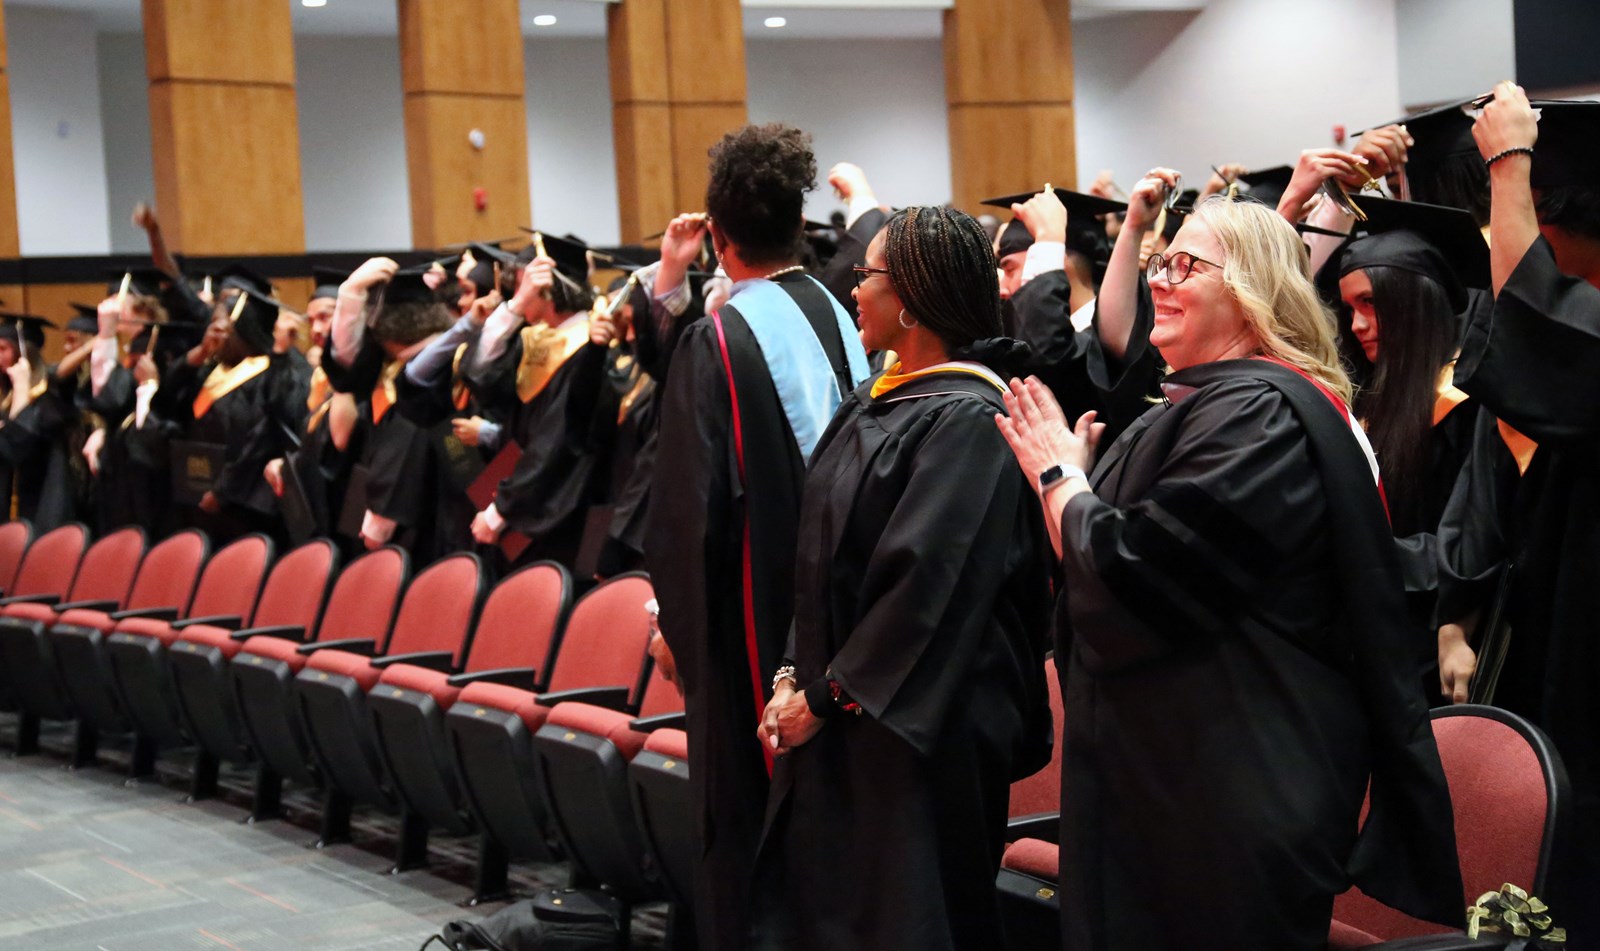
<point x="1523" y="149"/>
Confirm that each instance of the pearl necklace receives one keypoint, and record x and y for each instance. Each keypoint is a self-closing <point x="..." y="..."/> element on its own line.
<point x="791" y="269"/>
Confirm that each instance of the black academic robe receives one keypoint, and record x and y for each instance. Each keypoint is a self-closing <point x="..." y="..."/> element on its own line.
<point x="35" y="470"/>
<point x="725" y="582"/>
<point x="923" y="589"/>
<point x="1238" y="667"/>
<point x="564" y="427"/>
<point x="632" y="464"/>
<point x="134" y="486"/>
<point x="1530" y="360"/>
<point x="255" y="422"/>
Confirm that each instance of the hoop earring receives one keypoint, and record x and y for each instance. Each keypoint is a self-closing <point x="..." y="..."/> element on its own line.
<point x="903" y="323"/>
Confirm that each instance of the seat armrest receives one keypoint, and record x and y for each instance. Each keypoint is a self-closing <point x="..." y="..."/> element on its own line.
<point x="104" y="604"/>
<point x="433" y="660"/>
<point x="1438" y="942"/>
<point x="1045" y="826"/>
<point x="612" y="698"/>
<point x="230" y="621"/>
<point x="355" y="645"/>
<point x="289" y="632"/>
<point x="522" y="677"/>
<point x="661" y="721"/>
<point x="31" y="599"/>
<point x="164" y="614"/>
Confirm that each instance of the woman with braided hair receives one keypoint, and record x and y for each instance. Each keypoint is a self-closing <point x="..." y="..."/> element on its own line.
<point x="914" y="692"/>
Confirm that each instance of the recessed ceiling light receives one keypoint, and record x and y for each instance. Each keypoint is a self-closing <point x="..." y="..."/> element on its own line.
<point x="313" y="3"/>
<point x="775" y="22"/>
<point x="544" y="19"/>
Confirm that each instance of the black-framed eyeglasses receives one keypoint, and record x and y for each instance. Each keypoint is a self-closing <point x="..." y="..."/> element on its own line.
<point x="1176" y="268"/>
<point x="863" y="272"/>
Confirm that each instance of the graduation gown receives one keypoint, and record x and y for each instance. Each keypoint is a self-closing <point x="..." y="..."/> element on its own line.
<point x="632" y="464"/>
<point x="40" y="483"/>
<point x="725" y="582"/>
<point x="1530" y="361"/>
<point x="134" y="486"/>
<point x="1238" y="668"/>
<point x="923" y="588"/>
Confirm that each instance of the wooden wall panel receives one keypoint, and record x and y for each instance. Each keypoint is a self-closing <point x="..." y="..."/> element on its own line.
<point x="705" y="51"/>
<point x="472" y="49"/>
<point x="645" y="189"/>
<point x="1008" y="78"/>
<point x="10" y="246"/>
<point x="1039" y="147"/>
<point x="250" y="41"/>
<point x="636" y="51"/>
<point x="54" y="301"/>
<point x="695" y="128"/>
<point x="445" y="168"/>
<point x="227" y="168"/>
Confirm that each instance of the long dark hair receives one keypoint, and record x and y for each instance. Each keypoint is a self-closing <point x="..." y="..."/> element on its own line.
<point x="1417" y="334"/>
<point x="941" y="265"/>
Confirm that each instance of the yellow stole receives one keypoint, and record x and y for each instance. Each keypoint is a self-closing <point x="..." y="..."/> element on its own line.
<point x="544" y="350"/>
<point x="460" y="393"/>
<point x="1447" y="396"/>
<point x="318" y="399"/>
<point x="1521" y="447"/>
<point x="892" y="378"/>
<point x="384" y="395"/>
<point x="220" y="382"/>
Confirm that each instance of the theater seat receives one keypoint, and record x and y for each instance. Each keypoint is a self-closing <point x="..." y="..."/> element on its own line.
<point x="1508" y="789"/>
<point x="433" y="629"/>
<point x="161" y="592"/>
<point x="491" y="726"/>
<point x="361" y="608"/>
<point x="583" y="752"/>
<point x="517" y="636"/>
<point x="1026" y="880"/>
<point x="45" y="571"/>
<point x="658" y="784"/>
<point x="101" y="580"/>
<point x="15" y="537"/>
<point x="138" y="646"/>
<point x="292" y="597"/>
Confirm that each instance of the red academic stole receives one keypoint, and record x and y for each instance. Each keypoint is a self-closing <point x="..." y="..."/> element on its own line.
<point x="751" y="642"/>
<point x="1338" y="405"/>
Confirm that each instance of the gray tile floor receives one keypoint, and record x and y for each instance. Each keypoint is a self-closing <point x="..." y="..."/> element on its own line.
<point x="90" y="864"/>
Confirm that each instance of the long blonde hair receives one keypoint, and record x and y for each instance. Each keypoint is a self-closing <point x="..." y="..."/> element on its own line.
<point x="1266" y="268"/>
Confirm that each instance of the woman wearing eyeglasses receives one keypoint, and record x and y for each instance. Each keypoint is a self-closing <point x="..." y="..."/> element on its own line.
<point x="1239" y="658"/>
<point x="914" y="689"/>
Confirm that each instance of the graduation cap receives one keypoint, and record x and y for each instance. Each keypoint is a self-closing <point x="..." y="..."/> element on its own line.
<point x="1267" y="185"/>
<point x="1442" y="163"/>
<point x="410" y="286"/>
<point x="1569" y="145"/>
<point x="253" y="316"/>
<point x="570" y="254"/>
<point x="237" y="275"/>
<point x="327" y="281"/>
<point x="1435" y="241"/>
<point x="1084" y="230"/>
<point x="143" y="281"/>
<point x="86" y="319"/>
<point x="30" y="327"/>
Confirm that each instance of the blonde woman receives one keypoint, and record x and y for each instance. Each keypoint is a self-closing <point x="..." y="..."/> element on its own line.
<point x="1232" y="623"/>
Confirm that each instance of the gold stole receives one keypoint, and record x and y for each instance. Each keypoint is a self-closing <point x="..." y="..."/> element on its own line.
<point x="641" y="382"/>
<point x="1447" y="396"/>
<point x="460" y="393"/>
<point x="318" y="397"/>
<point x="544" y="350"/>
<point x="383" y="395"/>
<point x="220" y="382"/>
<point x="1522" y="448"/>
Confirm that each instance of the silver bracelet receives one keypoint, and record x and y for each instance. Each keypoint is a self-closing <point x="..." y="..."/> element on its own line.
<point x="786" y="672"/>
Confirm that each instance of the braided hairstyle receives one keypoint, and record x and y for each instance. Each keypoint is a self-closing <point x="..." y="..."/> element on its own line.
<point x="942" y="267"/>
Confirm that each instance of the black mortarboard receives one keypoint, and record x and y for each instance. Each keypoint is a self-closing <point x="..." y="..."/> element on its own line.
<point x="143" y="281"/>
<point x="1568" y="150"/>
<point x="1435" y="241"/>
<point x="253" y="316"/>
<point x="570" y="254"/>
<point x="87" y="319"/>
<point x="327" y="281"/>
<point x="1084" y="229"/>
<point x="409" y="286"/>
<point x="237" y="275"/>
<point x="483" y="259"/>
<point x="1442" y="163"/>
<point x="1078" y="204"/>
<point x="1267" y="185"/>
<point x="32" y="328"/>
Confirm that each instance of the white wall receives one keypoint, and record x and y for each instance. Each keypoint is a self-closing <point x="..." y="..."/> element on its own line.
<point x="55" y="131"/>
<point x="1249" y="81"/>
<point x="352" y="143"/>
<point x="572" y="166"/>
<point x="877" y="103"/>
<point x="1453" y="49"/>
<point x="125" y="111"/>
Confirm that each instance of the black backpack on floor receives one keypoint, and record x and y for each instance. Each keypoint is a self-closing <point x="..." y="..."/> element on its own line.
<point x="559" y="919"/>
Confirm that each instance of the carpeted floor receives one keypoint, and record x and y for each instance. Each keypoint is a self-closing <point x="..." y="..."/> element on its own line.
<point x="87" y="863"/>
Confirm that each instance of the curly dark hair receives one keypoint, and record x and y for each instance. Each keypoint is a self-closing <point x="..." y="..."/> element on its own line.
<point x="759" y="178"/>
<point x="410" y="321"/>
<point x="942" y="267"/>
<point x="1575" y="208"/>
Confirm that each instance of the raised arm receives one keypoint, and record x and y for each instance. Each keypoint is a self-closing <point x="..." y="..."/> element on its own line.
<point x="1118" y="302"/>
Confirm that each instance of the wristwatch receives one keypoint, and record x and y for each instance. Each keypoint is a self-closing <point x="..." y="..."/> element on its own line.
<point x="1059" y="473"/>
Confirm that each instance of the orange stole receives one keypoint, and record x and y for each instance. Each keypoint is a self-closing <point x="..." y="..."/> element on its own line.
<point x="1522" y="448"/>
<point x="220" y="382"/>
<point x="383" y="395"/>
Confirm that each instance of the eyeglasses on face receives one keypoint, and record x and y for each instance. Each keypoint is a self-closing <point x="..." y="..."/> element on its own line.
<point x="863" y="272"/>
<point x="1176" y="267"/>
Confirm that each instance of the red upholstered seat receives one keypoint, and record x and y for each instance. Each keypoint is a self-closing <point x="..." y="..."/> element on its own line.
<point x="268" y="647"/>
<point x="51" y="562"/>
<point x="79" y="617"/>
<point x="218" y="637"/>
<point x="29" y="611"/>
<point x="670" y="743"/>
<point x="1343" y="937"/>
<point x="1033" y="857"/>
<point x="1504" y="781"/>
<point x="523" y="703"/>
<point x="147" y="627"/>
<point x="167" y="576"/>
<point x="434" y="683"/>
<point x="232" y="579"/>
<point x="357" y="667"/>
<point x="521" y="621"/>
<point x="1041" y="792"/>
<point x="108" y="567"/>
<point x="14" y="539"/>
<point x="610" y="725"/>
<point x="294" y="591"/>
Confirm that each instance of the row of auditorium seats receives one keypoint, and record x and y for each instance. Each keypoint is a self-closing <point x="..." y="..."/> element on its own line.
<point x="511" y="713"/>
<point x="527" y="719"/>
